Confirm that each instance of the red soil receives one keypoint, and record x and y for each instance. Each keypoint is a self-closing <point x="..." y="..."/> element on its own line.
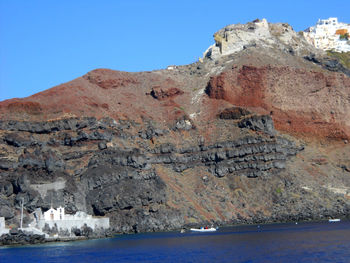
<point x="300" y="101"/>
<point x="101" y="93"/>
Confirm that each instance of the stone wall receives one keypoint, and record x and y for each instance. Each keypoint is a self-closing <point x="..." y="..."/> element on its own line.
<point x="68" y="225"/>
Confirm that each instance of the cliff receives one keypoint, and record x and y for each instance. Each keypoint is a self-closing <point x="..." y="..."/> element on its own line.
<point x="256" y="132"/>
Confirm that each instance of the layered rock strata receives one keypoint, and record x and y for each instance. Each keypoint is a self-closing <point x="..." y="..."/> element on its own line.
<point x="76" y="162"/>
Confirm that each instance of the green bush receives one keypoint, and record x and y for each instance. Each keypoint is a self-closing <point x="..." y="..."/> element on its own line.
<point x="344" y="36"/>
<point x="343" y="57"/>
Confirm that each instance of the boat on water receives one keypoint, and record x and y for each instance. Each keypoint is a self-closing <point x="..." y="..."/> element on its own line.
<point x="203" y="229"/>
<point x="334" y="220"/>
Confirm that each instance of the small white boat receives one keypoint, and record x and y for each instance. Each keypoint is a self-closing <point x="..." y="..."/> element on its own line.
<point x="334" y="220"/>
<point x="202" y="229"/>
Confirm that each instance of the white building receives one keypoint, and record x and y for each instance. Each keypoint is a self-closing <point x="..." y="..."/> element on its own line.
<point x="53" y="214"/>
<point x="65" y="222"/>
<point x="3" y="229"/>
<point x="171" y="67"/>
<point x="329" y="34"/>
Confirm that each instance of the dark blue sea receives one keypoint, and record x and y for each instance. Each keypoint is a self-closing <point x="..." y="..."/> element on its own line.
<point x="304" y="242"/>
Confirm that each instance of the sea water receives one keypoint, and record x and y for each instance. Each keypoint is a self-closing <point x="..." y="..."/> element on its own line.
<point x="303" y="242"/>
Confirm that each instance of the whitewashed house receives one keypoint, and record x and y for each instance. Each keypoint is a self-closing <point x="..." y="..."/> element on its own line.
<point x="329" y="34"/>
<point x="53" y="214"/>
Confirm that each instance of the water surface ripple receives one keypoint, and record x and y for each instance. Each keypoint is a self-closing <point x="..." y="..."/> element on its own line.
<point x="304" y="242"/>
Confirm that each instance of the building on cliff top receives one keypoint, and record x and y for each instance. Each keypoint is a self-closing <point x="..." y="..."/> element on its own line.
<point x="329" y="34"/>
<point x="56" y="218"/>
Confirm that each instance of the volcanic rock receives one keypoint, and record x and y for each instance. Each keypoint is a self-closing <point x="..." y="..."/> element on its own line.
<point x="252" y="133"/>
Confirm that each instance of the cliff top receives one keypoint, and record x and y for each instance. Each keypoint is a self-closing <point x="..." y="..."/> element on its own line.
<point x="237" y="37"/>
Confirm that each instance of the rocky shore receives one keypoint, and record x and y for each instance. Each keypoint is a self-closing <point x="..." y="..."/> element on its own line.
<point x="20" y="237"/>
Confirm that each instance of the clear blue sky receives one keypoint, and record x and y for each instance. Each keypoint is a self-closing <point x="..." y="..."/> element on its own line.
<point x="46" y="43"/>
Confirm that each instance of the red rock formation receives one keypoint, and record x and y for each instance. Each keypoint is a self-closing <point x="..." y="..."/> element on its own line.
<point x="300" y="101"/>
<point x="161" y="94"/>
<point x="109" y="79"/>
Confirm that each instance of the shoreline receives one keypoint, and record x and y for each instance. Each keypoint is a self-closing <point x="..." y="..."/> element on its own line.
<point x="186" y="228"/>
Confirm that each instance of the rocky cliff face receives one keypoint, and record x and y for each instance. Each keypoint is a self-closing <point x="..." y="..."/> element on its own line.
<point x="291" y="96"/>
<point x="251" y="134"/>
<point x="235" y="38"/>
